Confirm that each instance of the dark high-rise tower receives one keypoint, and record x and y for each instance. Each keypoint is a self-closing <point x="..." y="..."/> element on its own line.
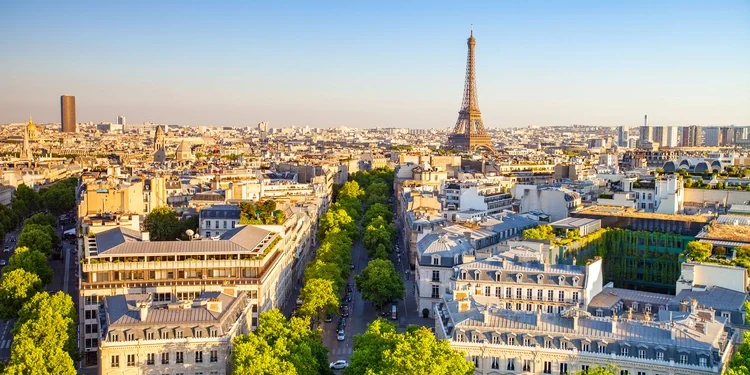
<point x="68" y="113"/>
<point x="469" y="133"/>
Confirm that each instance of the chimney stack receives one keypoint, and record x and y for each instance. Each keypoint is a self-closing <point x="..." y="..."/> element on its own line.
<point x="575" y="322"/>
<point x="145" y="237"/>
<point x="214" y="305"/>
<point x="645" y="120"/>
<point x="614" y="322"/>
<point x="143" y="308"/>
<point x="683" y="306"/>
<point x="693" y="305"/>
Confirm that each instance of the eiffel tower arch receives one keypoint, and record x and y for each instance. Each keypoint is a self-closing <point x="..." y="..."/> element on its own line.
<point x="469" y="134"/>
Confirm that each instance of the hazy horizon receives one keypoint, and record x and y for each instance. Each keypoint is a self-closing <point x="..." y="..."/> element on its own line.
<point x="377" y="65"/>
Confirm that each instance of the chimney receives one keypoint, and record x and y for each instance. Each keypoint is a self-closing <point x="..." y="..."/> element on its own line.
<point x="135" y="223"/>
<point x="693" y="305"/>
<point x="538" y="317"/>
<point x="630" y="313"/>
<point x="645" y="120"/>
<point x="468" y="236"/>
<point x="683" y="305"/>
<point x="214" y="305"/>
<point x="614" y="322"/>
<point x="647" y="316"/>
<point x="700" y="327"/>
<point x="486" y="314"/>
<point x="143" y="308"/>
<point x="575" y="322"/>
<point x="145" y="237"/>
<point x="671" y="331"/>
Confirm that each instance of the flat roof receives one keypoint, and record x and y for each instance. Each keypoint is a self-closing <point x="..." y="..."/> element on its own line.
<point x="629" y="212"/>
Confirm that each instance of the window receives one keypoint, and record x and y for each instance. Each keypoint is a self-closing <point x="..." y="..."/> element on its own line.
<point x="526" y="365"/>
<point x="487" y="291"/>
<point x="585" y="368"/>
<point x="92" y="343"/>
<point x="495" y="363"/>
<point x="560" y="309"/>
<point x="213" y="333"/>
<point x="660" y="356"/>
<point x="208" y="234"/>
<point x="641" y="372"/>
<point x="550" y="295"/>
<point x="92" y="328"/>
<point x="511" y="340"/>
<point x="623" y="372"/>
<point x="726" y="314"/>
<point x="528" y="307"/>
<point x="208" y="223"/>
<point x="548" y="344"/>
<point x="599" y="313"/>
<point x="547" y="367"/>
<point x="563" y="368"/>
<point x="539" y="294"/>
<point x="179" y="357"/>
<point x="150" y="359"/>
<point x="585" y="347"/>
<point x="603" y="349"/>
<point x="435" y="276"/>
<point x="498" y="292"/>
<point x="178" y="334"/>
<point x="149" y="335"/>
<point x="131" y="360"/>
<point x="511" y="364"/>
<point x="435" y="261"/>
<point x="519" y="307"/>
<point x="233" y="223"/>
<point x="225" y="224"/>
<point x="495" y="339"/>
<point x="199" y="357"/>
<point x="624" y="350"/>
<point x="114" y="337"/>
<point x="519" y="293"/>
<point x="561" y="296"/>
<point x="164" y="358"/>
<point x="647" y="308"/>
<point x="634" y="305"/>
<point x="641" y="353"/>
<point x="436" y="291"/>
<point x="115" y="361"/>
<point x="509" y="306"/>
<point x="475" y="359"/>
<point x="214" y="356"/>
<point x="549" y="309"/>
<point x="564" y="345"/>
<point x="683" y="359"/>
<point x="508" y="292"/>
<point x="529" y="294"/>
<point x="702" y="361"/>
<point x="199" y="333"/>
<point x="575" y="297"/>
<point x="90" y="314"/>
<point x="130" y="337"/>
<point x="526" y="342"/>
<point x="217" y="224"/>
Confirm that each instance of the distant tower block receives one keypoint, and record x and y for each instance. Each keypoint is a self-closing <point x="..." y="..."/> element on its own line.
<point x="469" y="133"/>
<point x="68" y="113"/>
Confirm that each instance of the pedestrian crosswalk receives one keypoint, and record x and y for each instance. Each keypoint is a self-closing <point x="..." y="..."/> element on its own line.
<point x="5" y="344"/>
<point x="341" y="351"/>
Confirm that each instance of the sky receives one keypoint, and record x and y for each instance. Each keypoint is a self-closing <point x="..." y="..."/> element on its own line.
<point x="376" y="64"/>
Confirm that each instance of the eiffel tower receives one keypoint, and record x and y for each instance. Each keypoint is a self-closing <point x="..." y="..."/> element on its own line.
<point x="469" y="133"/>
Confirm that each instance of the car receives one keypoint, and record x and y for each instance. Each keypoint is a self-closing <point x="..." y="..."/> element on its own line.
<point x="345" y="312"/>
<point x="6" y="249"/>
<point x="299" y="301"/>
<point x="340" y="364"/>
<point x="3" y="263"/>
<point x="341" y="336"/>
<point x="351" y="266"/>
<point x="329" y="318"/>
<point x="12" y="239"/>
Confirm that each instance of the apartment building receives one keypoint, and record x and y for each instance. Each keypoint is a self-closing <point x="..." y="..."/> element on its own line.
<point x="474" y="199"/>
<point x="524" y="282"/>
<point x="664" y="194"/>
<point x="213" y="221"/>
<point x="437" y="254"/>
<point x="554" y="202"/>
<point x="118" y="259"/>
<point x="499" y="340"/>
<point x="143" y="336"/>
<point x="98" y="194"/>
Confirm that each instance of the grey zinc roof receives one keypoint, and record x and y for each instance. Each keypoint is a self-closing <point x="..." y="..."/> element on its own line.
<point x="591" y="328"/>
<point x="715" y="297"/>
<point x="572" y="222"/>
<point x="220" y="211"/>
<point x="243" y="239"/>
<point x="611" y="296"/>
<point x="444" y="244"/>
<point x="509" y="270"/>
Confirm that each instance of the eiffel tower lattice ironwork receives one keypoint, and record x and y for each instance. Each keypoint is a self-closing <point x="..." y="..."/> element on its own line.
<point x="469" y="133"/>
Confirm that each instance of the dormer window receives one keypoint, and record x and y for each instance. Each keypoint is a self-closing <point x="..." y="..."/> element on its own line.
<point x="498" y="276"/>
<point x="436" y="261"/>
<point x="561" y="278"/>
<point x="463" y="275"/>
<point x="540" y="278"/>
<point x="130" y="336"/>
<point x="475" y="337"/>
<point x="114" y="337"/>
<point x="575" y="280"/>
<point x="519" y="277"/>
<point x="476" y="275"/>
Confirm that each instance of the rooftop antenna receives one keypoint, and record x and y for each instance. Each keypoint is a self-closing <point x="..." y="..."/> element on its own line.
<point x="472" y="30"/>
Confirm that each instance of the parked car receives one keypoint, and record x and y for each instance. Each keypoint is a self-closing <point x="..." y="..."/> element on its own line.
<point x="299" y="301"/>
<point x="3" y="263"/>
<point x="345" y="312"/>
<point x="394" y="311"/>
<point x="329" y="318"/>
<point x="6" y="249"/>
<point x="351" y="266"/>
<point x="341" y="336"/>
<point x="340" y="364"/>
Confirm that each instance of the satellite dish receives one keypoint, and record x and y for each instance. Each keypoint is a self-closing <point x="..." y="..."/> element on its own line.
<point x="189" y="232"/>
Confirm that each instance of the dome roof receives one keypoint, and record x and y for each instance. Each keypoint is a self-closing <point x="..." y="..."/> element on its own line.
<point x="670" y="166"/>
<point x="701" y="167"/>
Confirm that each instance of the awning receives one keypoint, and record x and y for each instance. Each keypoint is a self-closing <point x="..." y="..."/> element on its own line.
<point x="71" y="231"/>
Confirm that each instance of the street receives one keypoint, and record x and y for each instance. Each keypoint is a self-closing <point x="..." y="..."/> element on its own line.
<point x="7" y="326"/>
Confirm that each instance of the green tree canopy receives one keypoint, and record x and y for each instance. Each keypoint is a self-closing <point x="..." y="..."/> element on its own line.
<point x="261" y="213"/>
<point x="542" y="232"/>
<point x="32" y="261"/>
<point x="337" y="218"/>
<point x="319" y="296"/>
<point x="380" y="283"/>
<point x="351" y="189"/>
<point x="318" y="269"/>
<point x="378" y="209"/>
<point x="279" y="346"/>
<point x="381" y="350"/>
<point x="599" y="370"/>
<point x="162" y="224"/>
<point x="25" y="201"/>
<point x="36" y="239"/>
<point x="699" y="251"/>
<point x="41" y="218"/>
<point x="17" y="287"/>
<point x="60" y="197"/>
<point x="50" y="230"/>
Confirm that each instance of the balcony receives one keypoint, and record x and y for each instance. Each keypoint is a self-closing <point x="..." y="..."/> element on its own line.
<point x="170" y="265"/>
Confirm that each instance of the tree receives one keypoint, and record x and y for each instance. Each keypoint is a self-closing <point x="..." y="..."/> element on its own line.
<point x="50" y="230"/>
<point x="378" y="209"/>
<point x="742" y="252"/>
<point x="688" y="182"/>
<point x="380" y="283"/>
<point x="25" y="201"/>
<point x="318" y="296"/>
<point x="36" y="239"/>
<point x="598" y="370"/>
<point x="351" y="189"/>
<point x="542" y="232"/>
<point x="337" y="218"/>
<point x="720" y="251"/>
<point x="279" y="346"/>
<point x="162" y="224"/>
<point x="17" y="287"/>
<point x="32" y="261"/>
<point x="318" y="269"/>
<point x="382" y="350"/>
<point x="41" y="219"/>
<point x="699" y="251"/>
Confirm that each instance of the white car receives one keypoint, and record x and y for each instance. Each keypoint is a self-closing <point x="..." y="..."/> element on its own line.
<point x="6" y="249"/>
<point x="340" y="364"/>
<point x="3" y="263"/>
<point x="342" y="335"/>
